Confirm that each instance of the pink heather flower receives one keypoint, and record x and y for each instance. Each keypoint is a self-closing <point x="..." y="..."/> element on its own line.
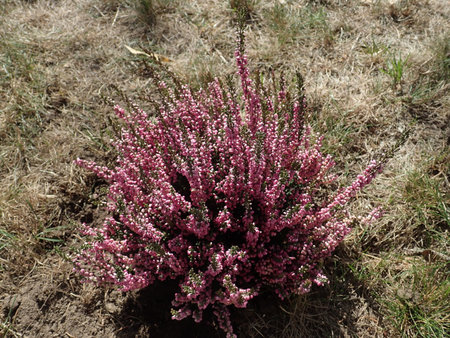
<point x="372" y="216"/>
<point x="225" y="196"/>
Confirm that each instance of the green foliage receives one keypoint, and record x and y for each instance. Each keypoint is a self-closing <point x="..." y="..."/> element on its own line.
<point x="421" y="307"/>
<point x="293" y="23"/>
<point x="413" y="293"/>
<point x="426" y="196"/>
<point x="146" y="11"/>
<point x="23" y="84"/>
<point x="375" y="48"/>
<point x="430" y="83"/>
<point x="340" y="132"/>
<point x="149" y="10"/>
<point x="395" y="68"/>
<point x="245" y="9"/>
<point x="51" y="234"/>
<point x="6" y="238"/>
<point x="442" y="59"/>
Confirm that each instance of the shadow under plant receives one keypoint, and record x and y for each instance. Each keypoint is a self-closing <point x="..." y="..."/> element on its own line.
<point x="334" y="310"/>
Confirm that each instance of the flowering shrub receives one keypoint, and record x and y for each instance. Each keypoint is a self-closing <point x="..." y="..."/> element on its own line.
<point x="227" y="193"/>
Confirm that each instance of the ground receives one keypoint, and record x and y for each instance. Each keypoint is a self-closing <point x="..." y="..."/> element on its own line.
<point x="376" y="79"/>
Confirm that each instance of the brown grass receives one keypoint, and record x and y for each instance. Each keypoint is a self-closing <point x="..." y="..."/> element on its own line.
<point x="59" y="58"/>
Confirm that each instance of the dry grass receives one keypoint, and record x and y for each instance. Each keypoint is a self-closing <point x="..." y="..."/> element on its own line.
<point x="372" y="70"/>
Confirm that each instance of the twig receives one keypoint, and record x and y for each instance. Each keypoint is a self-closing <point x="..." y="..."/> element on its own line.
<point x="98" y="10"/>
<point x="427" y="254"/>
<point x="115" y="16"/>
<point x="221" y="56"/>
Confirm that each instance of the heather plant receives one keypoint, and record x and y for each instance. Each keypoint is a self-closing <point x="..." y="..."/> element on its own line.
<point x="224" y="190"/>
